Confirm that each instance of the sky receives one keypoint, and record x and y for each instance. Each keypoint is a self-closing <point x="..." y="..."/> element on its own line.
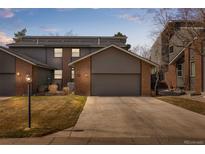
<point x="136" y="24"/>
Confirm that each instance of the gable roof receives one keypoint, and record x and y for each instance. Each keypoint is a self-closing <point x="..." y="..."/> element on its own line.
<point x="25" y="58"/>
<point x="121" y="49"/>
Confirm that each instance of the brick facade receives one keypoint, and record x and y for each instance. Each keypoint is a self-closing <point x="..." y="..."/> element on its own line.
<point x="198" y="67"/>
<point x="23" y="69"/>
<point x="186" y="69"/>
<point x="83" y="77"/>
<point x="170" y="77"/>
<point x="66" y="70"/>
<point x="145" y="79"/>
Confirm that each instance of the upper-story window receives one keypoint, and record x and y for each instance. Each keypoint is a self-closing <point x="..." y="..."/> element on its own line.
<point x="171" y="49"/>
<point x="58" y="52"/>
<point x="76" y="52"/>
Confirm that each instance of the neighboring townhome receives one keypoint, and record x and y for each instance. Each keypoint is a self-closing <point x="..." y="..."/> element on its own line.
<point x="118" y="72"/>
<point x="179" y="51"/>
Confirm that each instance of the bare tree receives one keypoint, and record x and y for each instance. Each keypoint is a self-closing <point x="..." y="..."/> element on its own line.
<point x="143" y="51"/>
<point x="178" y="27"/>
<point x="192" y="23"/>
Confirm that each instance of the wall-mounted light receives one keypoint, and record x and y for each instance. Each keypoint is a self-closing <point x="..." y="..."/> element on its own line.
<point x="18" y="74"/>
<point x="86" y="75"/>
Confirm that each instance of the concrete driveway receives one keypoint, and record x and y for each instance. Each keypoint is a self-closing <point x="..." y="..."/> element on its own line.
<point x="137" y="117"/>
<point x="127" y="120"/>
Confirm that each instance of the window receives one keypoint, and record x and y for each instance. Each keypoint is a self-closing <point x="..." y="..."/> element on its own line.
<point x="171" y="49"/>
<point x="192" y="69"/>
<point x="58" y="74"/>
<point x="72" y="73"/>
<point x="58" y="52"/>
<point x="179" y="70"/>
<point x="75" y="52"/>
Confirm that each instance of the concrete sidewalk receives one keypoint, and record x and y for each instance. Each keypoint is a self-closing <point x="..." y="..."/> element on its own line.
<point x="100" y="141"/>
<point x="4" y="98"/>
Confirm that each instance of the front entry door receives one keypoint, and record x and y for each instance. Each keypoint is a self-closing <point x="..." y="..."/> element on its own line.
<point x="180" y="79"/>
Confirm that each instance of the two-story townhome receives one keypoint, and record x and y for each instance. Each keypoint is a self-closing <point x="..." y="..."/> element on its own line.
<point x="110" y="68"/>
<point x="179" y="70"/>
<point x="59" y="51"/>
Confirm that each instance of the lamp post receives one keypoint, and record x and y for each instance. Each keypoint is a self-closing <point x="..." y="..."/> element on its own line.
<point x="29" y="81"/>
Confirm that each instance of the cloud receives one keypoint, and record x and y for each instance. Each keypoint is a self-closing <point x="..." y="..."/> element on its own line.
<point x="129" y="17"/>
<point x="4" y="39"/>
<point x="6" y="13"/>
<point x="48" y="29"/>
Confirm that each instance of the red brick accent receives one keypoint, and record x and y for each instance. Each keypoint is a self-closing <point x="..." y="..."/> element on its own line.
<point x="82" y="77"/>
<point x="198" y="67"/>
<point x="186" y="69"/>
<point x="66" y="69"/>
<point x="23" y="68"/>
<point x="145" y="79"/>
<point x="170" y="76"/>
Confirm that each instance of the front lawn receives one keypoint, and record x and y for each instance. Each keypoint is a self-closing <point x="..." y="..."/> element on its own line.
<point x="188" y="104"/>
<point x="49" y="114"/>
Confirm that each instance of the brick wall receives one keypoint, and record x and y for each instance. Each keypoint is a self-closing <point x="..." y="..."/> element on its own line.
<point x="23" y="68"/>
<point x="66" y="70"/>
<point x="82" y="77"/>
<point x="198" y="67"/>
<point x="170" y="76"/>
<point x="145" y="79"/>
<point x="186" y="69"/>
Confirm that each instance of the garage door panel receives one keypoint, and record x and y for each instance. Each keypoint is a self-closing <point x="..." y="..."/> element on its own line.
<point x="116" y="84"/>
<point x="7" y="84"/>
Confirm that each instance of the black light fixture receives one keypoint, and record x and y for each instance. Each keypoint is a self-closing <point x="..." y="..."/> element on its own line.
<point x="29" y="81"/>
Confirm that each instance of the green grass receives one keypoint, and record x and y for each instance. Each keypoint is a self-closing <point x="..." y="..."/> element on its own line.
<point x="188" y="104"/>
<point x="49" y="114"/>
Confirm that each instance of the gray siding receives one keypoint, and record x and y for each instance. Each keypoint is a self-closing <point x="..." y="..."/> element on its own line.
<point x="85" y="51"/>
<point x="156" y="52"/>
<point x="7" y="74"/>
<point x="53" y="61"/>
<point x="44" y="55"/>
<point x="114" y="61"/>
<point x="41" y="77"/>
<point x="7" y="63"/>
<point x="35" y="53"/>
<point x="115" y="73"/>
<point x="7" y="84"/>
